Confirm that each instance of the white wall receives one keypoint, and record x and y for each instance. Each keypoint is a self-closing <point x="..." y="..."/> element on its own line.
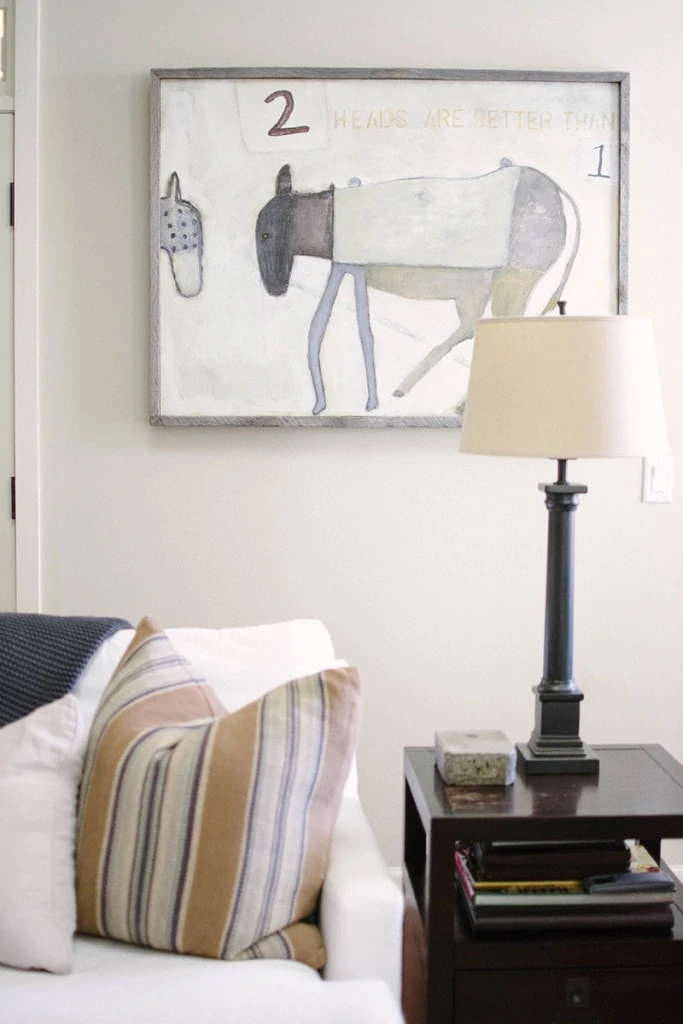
<point x="427" y="566"/>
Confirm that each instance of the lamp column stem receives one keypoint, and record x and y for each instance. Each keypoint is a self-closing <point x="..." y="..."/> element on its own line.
<point x="555" y="746"/>
<point x="558" y="661"/>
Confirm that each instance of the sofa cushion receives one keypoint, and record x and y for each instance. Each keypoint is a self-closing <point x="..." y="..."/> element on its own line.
<point x="41" y="757"/>
<point x="114" y="983"/>
<point x="206" y="832"/>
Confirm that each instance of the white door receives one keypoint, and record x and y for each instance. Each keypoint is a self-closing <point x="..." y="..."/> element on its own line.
<point x="7" y="545"/>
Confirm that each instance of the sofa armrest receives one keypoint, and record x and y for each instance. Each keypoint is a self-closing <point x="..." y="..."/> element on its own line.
<point x="361" y="908"/>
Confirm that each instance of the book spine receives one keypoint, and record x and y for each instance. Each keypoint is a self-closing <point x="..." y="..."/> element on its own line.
<point x="558" y="862"/>
<point x="528" y="873"/>
<point x="660" y="916"/>
<point x="464" y="875"/>
<point x="558" y="885"/>
<point x="568" y="899"/>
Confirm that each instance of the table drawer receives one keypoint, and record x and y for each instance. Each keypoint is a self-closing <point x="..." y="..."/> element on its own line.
<point x="615" y="996"/>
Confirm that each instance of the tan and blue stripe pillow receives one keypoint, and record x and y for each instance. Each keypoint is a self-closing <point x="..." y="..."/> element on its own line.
<point x="207" y="832"/>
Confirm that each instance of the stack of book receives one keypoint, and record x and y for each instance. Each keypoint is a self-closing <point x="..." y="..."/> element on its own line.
<point x="557" y="885"/>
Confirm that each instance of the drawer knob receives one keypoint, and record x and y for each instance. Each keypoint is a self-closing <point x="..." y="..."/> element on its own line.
<point x="578" y="992"/>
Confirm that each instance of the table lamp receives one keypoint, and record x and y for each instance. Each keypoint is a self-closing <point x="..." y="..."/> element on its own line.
<point x="562" y="387"/>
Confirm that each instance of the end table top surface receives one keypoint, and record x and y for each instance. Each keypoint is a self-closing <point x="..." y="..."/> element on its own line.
<point x="638" y="793"/>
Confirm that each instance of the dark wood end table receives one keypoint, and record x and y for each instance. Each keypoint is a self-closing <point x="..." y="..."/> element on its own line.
<point x="544" y="977"/>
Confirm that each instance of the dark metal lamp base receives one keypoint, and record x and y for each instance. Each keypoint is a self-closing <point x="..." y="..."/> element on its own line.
<point x="555" y="746"/>
<point x="586" y="763"/>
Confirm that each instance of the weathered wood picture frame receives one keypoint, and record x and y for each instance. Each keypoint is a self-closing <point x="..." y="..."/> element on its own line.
<point x="324" y="240"/>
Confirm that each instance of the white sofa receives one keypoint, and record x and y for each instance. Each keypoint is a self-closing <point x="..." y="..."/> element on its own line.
<point x="360" y="914"/>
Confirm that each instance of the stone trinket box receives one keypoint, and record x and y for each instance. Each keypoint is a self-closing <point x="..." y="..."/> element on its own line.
<point x="485" y="758"/>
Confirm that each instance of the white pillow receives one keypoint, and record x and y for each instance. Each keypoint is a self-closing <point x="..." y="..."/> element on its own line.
<point x="41" y="758"/>
<point x="239" y="663"/>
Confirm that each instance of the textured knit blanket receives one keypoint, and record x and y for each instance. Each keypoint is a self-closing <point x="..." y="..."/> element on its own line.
<point x="41" y="657"/>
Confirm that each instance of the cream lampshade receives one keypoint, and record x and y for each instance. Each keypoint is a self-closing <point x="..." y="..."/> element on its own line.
<point x="564" y="387"/>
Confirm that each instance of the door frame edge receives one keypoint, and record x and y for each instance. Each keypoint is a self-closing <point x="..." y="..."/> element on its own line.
<point x="26" y="306"/>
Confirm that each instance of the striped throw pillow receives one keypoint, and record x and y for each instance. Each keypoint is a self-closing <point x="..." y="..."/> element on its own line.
<point x="207" y="832"/>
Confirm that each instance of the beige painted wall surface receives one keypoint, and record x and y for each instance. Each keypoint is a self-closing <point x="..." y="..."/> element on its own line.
<point x="427" y="566"/>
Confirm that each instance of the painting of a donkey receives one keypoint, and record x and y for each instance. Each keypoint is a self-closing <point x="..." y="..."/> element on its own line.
<point x="477" y="241"/>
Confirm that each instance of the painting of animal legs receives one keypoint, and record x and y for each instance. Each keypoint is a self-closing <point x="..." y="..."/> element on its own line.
<point x="471" y="293"/>
<point x="316" y="333"/>
<point x="321" y="319"/>
<point x="509" y="291"/>
<point x="367" y="341"/>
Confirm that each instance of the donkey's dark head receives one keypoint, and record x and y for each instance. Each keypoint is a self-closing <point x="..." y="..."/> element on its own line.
<point x="273" y="236"/>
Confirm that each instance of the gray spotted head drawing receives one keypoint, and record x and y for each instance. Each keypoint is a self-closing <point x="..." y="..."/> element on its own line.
<point x="180" y="235"/>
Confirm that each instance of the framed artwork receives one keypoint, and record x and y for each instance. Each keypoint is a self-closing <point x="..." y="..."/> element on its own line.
<point x="324" y="241"/>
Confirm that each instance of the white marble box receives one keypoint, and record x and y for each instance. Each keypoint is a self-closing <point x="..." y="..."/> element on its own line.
<point x="483" y="758"/>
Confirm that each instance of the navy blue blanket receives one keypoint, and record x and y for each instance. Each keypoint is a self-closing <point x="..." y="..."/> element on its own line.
<point x="41" y="657"/>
